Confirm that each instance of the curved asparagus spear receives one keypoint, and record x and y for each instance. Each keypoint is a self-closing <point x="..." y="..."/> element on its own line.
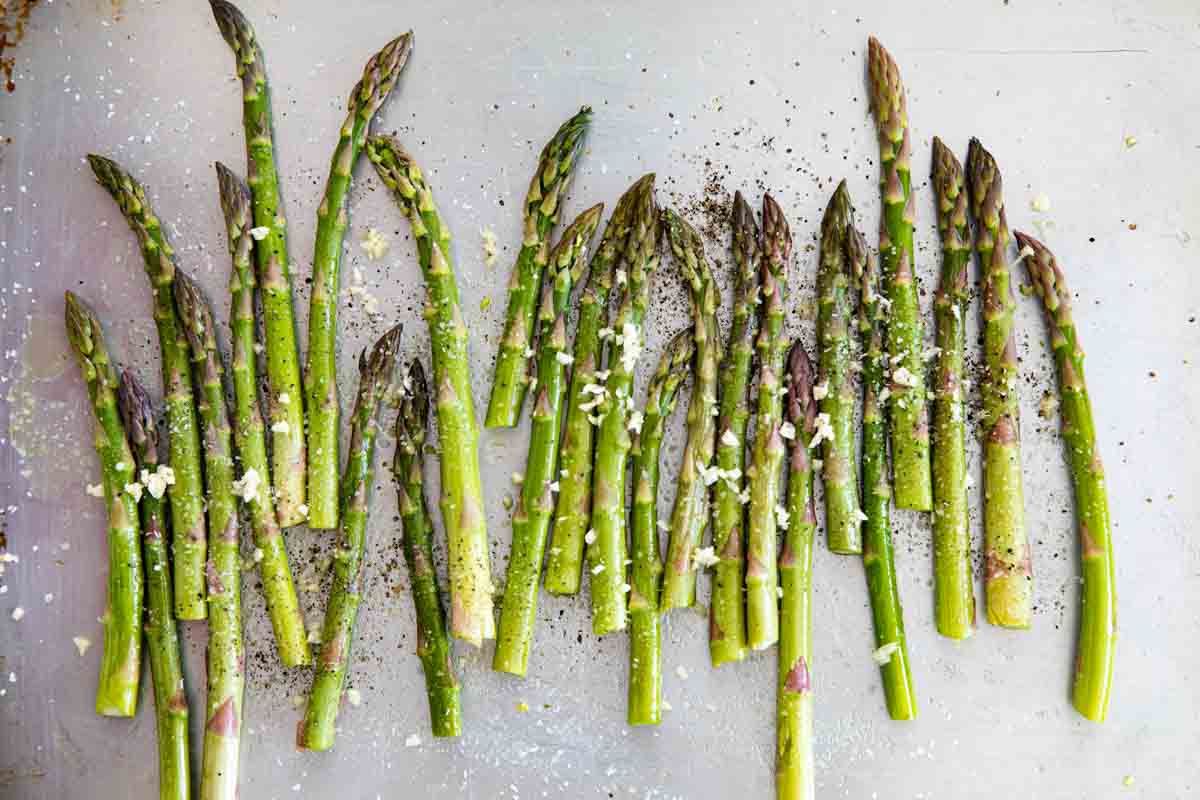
<point x="1008" y="577"/>
<point x="690" y="515"/>
<point x="318" y="727"/>
<point x="291" y="640"/>
<point x="1098" y="611"/>
<point x="531" y="519"/>
<point x="794" y="765"/>
<point x="573" y="514"/>
<point x="606" y="551"/>
<point x="120" y="666"/>
<point x="285" y="398"/>
<point x="543" y="201"/>
<point x="953" y="583"/>
<point x="762" y="577"/>
<point x="835" y="391"/>
<point x="462" y="493"/>
<point x="320" y="374"/>
<point x="910" y="426"/>
<point x="645" y="656"/>
<point x="433" y="642"/>
<point x="188" y="532"/>
<point x="891" y="646"/>
<point x="225" y="657"/>
<point x="727" y="613"/>
<point x="162" y="637"/>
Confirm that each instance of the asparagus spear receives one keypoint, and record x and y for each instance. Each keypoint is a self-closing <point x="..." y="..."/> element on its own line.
<point x="320" y="374"/>
<point x="188" y="532"/>
<point x="1098" y="614"/>
<point x="462" y="493"/>
<point x="953" y="583"/>
<point x="291" y="640"/>
<point x="1008" y="577"/>
<point x="835" y="392"/>
<point x="531" y="519"/>
<point x="573" y="515"/>
<point x="225" y="657"/>
<point x="162" y="637"/>
<point x="285" y="398"/>
<point x="910" y="426"/>
<point x="433" y="642"/>
<point x="727" y="613"/>
<point x="120" y="666"/>
<point x="645" y="655"/>
<point x="762" y="578"/>
<point x="891" y="646"/>
<point x="606" y="551"/>
<point x="794" y="764"/>
<point x="318" y="728"/>
<point x="543" y="201"/>
<point x="690" y="515"/>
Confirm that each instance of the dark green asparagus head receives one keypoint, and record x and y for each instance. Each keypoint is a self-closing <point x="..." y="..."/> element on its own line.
<point x="398" y="171"/>
<point x="688" y="250"/>
<point x="863" y="268"/>
<point x="673" y="369"/>
<point x="235" y="204"/>
<point x="137" y="412"/>
<point x="556" y="166"/>
<point x="131" y="199"/>
<point x="375" y="370"/>
<point x="603" y="265"/>
<point x="951" y="197"/>
<point x="195" y="317"/>
<point x="1049" y="282"/>
<point x="412" y="421"/>
<point x="238" y="33"/>
<point x="888" y="101"/>
<point x="837" y="220"/>
<point x="641" y="249"/>
<point x="746" y="248"/>
<point x="571" y="251"/>
<point x="128" y="193"/>
<point x="777" y="236"/>
<point x="379" y="76"/>
<point x="986" y="190"/>
<point x="87" y="340"/>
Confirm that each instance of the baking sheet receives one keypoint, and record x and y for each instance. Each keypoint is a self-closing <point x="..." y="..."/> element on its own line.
<point x="752" y="96"/>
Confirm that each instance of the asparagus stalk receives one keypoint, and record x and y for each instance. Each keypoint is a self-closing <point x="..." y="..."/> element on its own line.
<point x="606" y="551"/>
<point x="291" y="640"/>
<point x="120" y="666"/>
<point x="433" y="642"/>
<point x="543" y="202"/>
<point x="162" y="637"/>
<point x="1008" y="576"/>
<point x="573" y="515"/>
<point x="891" y="646"/>
<point x="690" y="515"/>
<point x="225" y="657"/>
<point x="953" y="583"/>
<point x="531" y="519"/>
<point x="910" y="426"/>
<point x="762" y="577"/>
<point x="1096" y="648"/>
<point x="727" y="613"/>
<point x="318" y="728"/>
<point x="794" y="764"/>
<point x="320" y="374"/>
<point x="835" y="392"/>
<point x="462" y="493"/>
<point x="188" y="532"/>
<point x="645" y="655"/>
<point x="285" y="398"/>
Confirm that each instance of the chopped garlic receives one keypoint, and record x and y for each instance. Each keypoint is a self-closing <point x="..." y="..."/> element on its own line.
<point x="247" y="487"/>
<point x="157" y="482"/>
<point x="82" y="643"/>
<point x="1130" y="141"/>
<point x="303" y="509"/>
<point x="566" y="359"/>
<point x="17" y="613"/>
<point x="134" y="490"/>
<point x="285" y="399"/>
<point x="1041" y="203"/>
<point x="596" y="570"/>
<point x="374" y="244"/>
<point x="95" y="489"/>
<point x="729" y="439"/>
<point x="662" y="526"/>
<point x="705" y="557"/>
<point x="259" y="233"/>
<point x="884" y="654"/>
<point x="354" y="697"/>
<point x="281" y="427"/>
<point x="787" y="430"/>
<point x="258" y="555"/>
<point x="711" y="474"/>
<point x="489" y="245"/>
<point x="622" y="278"/>
<point x="413" y="740"/>
<point x="824" y="431"/>
<point x="518" y="478"/>
<point x="589" y="537"/>
<point x="631" y="346"/>
<point x="782" y="517"/>
<point x="636" y="419"/>
<point x="821" y="390"/>
<point x="902" y="377"/>
<point x="553" y="486"/>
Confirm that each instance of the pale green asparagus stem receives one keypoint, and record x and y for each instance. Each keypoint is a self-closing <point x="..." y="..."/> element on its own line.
<point x="690" y="515"/>
<point x="120" y="665"/>
<point x="320" y="375"/>
<point x="573" y="515"/>
<point x="762" y="576"/>
<point x="291" y="640"/>
<point x="188" y="531"/>
<point x="543" y="203"/>
<point x="462" y="492"/>
<point x="284" y="390"/>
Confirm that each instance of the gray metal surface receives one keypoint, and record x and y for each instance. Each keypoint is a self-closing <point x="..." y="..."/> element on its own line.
<point x="758" y="95"/>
